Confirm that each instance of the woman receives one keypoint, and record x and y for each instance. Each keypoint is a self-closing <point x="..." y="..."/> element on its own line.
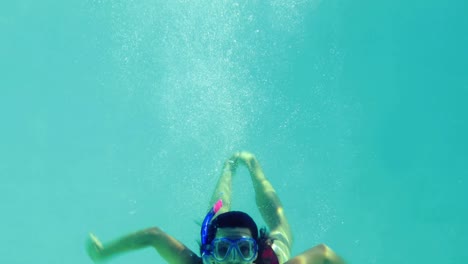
<point x="227" y="237"/>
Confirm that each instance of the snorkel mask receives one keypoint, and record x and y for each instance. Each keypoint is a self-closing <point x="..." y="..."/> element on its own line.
<point x="206" y="252"/>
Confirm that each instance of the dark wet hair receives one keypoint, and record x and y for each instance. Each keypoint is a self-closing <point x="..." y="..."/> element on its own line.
<point x="264" y="245"/>
<point x="239" y="219"/>
<point x="232" y="219"/>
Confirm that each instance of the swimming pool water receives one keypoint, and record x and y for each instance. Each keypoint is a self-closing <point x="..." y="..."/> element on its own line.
<point x="118" y="115"/>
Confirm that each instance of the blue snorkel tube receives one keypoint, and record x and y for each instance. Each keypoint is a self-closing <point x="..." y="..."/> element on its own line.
<point x="205" y="226"/>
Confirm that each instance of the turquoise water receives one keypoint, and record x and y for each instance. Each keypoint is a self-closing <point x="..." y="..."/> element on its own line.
<point x="118" y="115"/>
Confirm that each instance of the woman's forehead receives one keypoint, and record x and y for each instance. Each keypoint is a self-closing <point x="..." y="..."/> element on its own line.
<point x="233" y="232"/>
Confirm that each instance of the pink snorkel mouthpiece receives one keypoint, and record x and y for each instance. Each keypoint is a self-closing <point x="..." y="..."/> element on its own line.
<point x="217" y="206"/>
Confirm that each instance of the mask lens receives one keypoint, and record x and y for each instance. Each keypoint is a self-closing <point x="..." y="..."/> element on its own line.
<point x="246" y="248"/>
<point x="221" y="248"/>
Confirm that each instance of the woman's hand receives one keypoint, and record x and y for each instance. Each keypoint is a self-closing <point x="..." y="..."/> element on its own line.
<point x="246" y="158"/>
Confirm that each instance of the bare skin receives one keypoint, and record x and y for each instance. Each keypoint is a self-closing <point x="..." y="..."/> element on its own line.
<point x="320" y="254"/>
<point x="268" y="203"/>
<point x="169" y="248"/>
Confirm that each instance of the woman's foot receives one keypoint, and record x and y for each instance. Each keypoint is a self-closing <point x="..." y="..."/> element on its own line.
<point x="94" y="247"/>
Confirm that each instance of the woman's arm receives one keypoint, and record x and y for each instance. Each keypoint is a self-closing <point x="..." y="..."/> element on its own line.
<point x="223" y="189"/>
<point x="173" y="251"/>
<point x="269" y="205"/>
<point x="320" y="254"/>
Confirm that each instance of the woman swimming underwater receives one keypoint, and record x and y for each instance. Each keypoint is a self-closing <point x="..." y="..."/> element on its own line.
<point x="226" y="236"/>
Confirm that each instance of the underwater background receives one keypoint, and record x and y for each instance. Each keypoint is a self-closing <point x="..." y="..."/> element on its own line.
<point x="118" y="115"/>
